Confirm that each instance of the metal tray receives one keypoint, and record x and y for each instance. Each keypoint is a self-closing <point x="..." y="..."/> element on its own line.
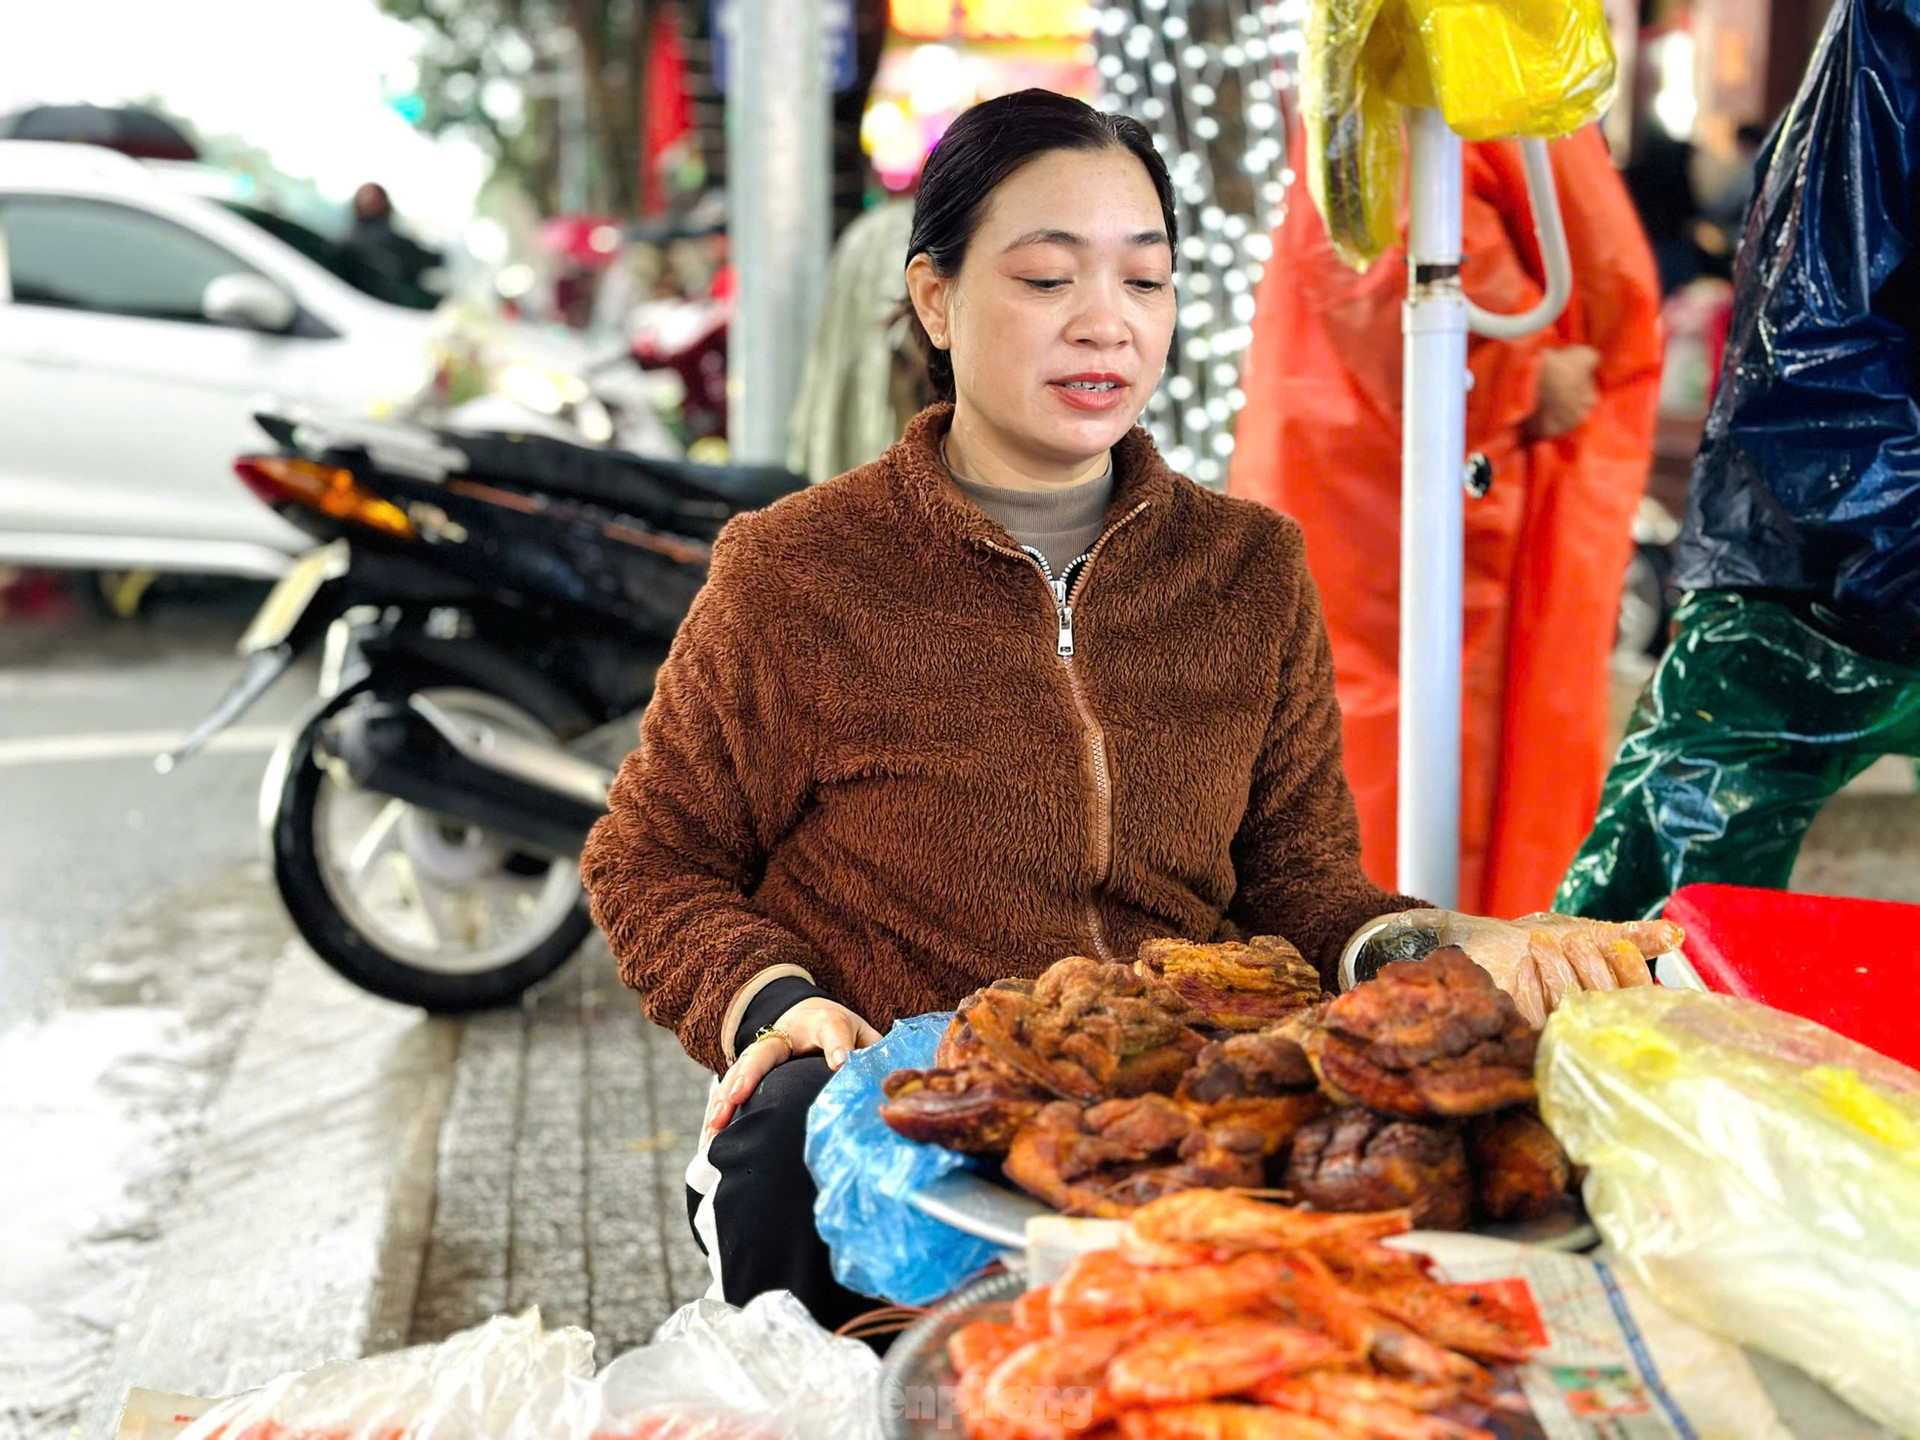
<point x="976" y="1205"/>
<point x="917" y="1378"/>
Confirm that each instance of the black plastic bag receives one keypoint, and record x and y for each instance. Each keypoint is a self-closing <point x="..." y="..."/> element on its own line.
<point x="1809" y="477"/>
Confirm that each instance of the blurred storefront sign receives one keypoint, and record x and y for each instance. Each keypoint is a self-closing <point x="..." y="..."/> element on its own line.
<point x="992" y="19"/>
<point x="944" y="55"/>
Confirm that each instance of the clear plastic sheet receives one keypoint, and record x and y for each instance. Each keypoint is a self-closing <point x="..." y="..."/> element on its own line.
<point x="712" y="1372"/>
<point x="1752" y="721"/>
<point x="507" y="1377"/>
<point x="1757" y="1172"/>
<point x="1496" y="69"/>
<point x="880" y="1244"/>
<point x="1809" y="475"/>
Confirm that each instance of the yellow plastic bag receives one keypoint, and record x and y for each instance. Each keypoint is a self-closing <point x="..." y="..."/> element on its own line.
<point x="1757" y="1172"/>
<point x="1494" y="68"/>
<point x="1353" y="130"/>
<point x="1504" y="69"/>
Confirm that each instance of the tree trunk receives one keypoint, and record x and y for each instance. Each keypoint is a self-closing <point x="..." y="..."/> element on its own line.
<point x="541" y="171"/>
<point x="709" y="106"/>
<point x="586" y="19"/>
<point x="616" y="39"/>
<point x="642" y="23"/>
<point x="1232" y="185"/>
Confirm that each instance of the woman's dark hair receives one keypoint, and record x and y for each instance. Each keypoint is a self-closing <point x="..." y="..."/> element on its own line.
<point x="985" y="145"/>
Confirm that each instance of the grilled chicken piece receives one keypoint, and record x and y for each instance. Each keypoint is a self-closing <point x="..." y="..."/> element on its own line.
<point x="1109" y="1159"/>
<point x="1084" y="1030"/>
<point x="1519" y="1170"/>
<point x="1230" y="986"/>
<point x="975" y="1110"/>
<point x="1424" y="1039"/>
<point x="1225" y="1155"/>
<point x="1254" y="1080"/>
<point x="959" y="1046"/>
<point x="1264" y="1063"/>
<point x="1354" y="1159"/>
<point x="1087" y="1031"/>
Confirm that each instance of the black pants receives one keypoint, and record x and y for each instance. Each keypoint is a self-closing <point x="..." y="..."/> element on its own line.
<point x="763" y="1199"/>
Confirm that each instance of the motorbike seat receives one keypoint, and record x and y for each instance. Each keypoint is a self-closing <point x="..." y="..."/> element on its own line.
<point x="746" y="487"/>
<point x="636" y="484"/>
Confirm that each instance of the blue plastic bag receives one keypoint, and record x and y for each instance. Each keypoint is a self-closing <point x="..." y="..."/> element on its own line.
<point x="880" y="1244"/>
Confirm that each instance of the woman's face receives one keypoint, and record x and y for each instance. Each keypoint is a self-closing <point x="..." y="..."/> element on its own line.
<point x="1059" y="319"/>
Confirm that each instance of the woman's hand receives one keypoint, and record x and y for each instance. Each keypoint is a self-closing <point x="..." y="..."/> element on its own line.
<point x="1536" y="959"/>
<point x="816" y="1026"/>
<point x="1567" y="392"/>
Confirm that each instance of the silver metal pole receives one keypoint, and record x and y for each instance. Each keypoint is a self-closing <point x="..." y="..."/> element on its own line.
<point x="1433" y="452"/>
<point x="1433" y="456"/>
<point x="779" y="203"/>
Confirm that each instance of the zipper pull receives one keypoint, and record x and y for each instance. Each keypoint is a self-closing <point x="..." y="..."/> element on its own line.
<point x="1065" y="647"/>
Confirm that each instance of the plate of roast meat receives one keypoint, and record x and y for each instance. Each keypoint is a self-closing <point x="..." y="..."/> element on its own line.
<point x="1100" y="1087"/>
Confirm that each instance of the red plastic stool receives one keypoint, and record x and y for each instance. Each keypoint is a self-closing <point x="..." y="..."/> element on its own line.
<point x="1851" y="965"/>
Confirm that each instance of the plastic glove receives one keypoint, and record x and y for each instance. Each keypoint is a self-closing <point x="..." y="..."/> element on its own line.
<point x="1536" y="959"/>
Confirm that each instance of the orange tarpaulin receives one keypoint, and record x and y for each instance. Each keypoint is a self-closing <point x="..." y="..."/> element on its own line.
<point x="1546" y="550"/>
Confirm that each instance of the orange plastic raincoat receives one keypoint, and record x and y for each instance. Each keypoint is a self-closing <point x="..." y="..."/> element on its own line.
<point x="1546" y="549"/>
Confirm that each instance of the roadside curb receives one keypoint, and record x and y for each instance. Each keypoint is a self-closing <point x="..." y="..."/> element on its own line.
<point x="299" y="1234"/>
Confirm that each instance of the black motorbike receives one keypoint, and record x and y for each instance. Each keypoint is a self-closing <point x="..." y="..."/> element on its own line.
<point x="490" y="611"/>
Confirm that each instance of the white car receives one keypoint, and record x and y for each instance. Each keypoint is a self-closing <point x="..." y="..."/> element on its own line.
<point x="141" y="327"/>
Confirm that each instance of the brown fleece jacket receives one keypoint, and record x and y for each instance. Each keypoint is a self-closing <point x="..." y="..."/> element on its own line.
<point x="867" y="757"/>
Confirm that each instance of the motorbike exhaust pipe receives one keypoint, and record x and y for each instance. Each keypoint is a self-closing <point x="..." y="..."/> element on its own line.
<point x="539" y="795"/>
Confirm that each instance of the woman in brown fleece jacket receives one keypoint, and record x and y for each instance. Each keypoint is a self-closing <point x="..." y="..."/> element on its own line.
<point x="894" y="756"/>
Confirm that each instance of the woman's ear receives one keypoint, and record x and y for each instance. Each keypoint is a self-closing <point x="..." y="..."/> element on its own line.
<point x="928" y="289"/>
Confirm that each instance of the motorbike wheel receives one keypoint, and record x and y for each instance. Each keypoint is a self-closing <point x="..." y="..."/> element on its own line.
<point x="408" y="904"/>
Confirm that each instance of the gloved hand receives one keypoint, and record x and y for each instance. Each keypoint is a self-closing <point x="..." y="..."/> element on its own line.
<point x="1535" y="959"/>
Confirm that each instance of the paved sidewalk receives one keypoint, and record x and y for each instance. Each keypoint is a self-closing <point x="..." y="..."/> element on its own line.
<point x="102" y="1108"/>
<point x="560" y="1167"/>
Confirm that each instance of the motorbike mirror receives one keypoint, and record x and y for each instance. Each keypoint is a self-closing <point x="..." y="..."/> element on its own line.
<point x="249" y="302"/>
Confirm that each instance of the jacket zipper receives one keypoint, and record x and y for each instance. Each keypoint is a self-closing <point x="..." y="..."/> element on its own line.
<point x="1064" y="591"/>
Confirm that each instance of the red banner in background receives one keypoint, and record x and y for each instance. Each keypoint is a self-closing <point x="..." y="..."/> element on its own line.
<point x="668" y="122"/>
